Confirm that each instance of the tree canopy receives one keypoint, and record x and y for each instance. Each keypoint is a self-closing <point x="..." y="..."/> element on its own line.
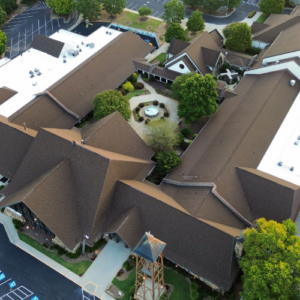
<point x="8" y="5"/>
<point x="90" y="9"/>
<point x="144" y="11"/>
<point x="272" y="6"/>
<point x="198" y="98"/>
<point x="195" y="21"/>
<point x="3" y="16"/>
<point x="271" y="264"/>
<point x="178" y="82"/>
<point x="114" y="7"/>
<point x="234" y="3"/>
<point x="62" y="7"/>
<point x="3" y="41"/>
<point x="110" y="101"/>
<point x="166" y="161"/>
<point x="175" y="30"/>
<point x="238" y="36"/>
<point x="174" y="12"/>
<point x="162" y="135"/>
<point x="212" y="5"/>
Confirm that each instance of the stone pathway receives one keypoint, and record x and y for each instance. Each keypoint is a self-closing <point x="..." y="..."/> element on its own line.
<point x="162" y="49"/>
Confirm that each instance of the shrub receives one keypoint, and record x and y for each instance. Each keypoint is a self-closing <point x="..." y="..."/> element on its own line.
<point x="2" y="209"/>
<point x="225" y="66"/>
<point x="194" y="286"/>
<point x="141" y="105"/>
<point x="218" y="297"/>
<point x="151" y="78"/>
<point x="18" y="224"/>
<point x="194" y="295"/>
<point x="162" y="105"/>
<point x="61" y="251"/>
<point x="138" y="85"/>
<point x="181" y="138"/>
<point x="292" y="4"/>
<point x="253" y="13"/>
<point x="166" y="161"/>
<point x="194" y="136"/>
<point x="141" y="118"/>
<point x="45" y="245"/>
<point x="137" y="109"/>
<point x="122" y="91"/>
<point x="126" y="265"/>
<point x="134" y="78"/>
<point x="144" y="76"/>
<point x="147" y="121"/>
<point x="168" y="86"/>
<point x="254" y="50"/>
<point x="155" y="102"/>
<point x="132" y="291"/>
<point x="186" y="131"/>
<point x="128" y="87"/>
<point x="166" y="114"/>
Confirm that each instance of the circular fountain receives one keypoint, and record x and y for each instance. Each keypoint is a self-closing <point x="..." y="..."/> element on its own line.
<point x="151" y="111"/>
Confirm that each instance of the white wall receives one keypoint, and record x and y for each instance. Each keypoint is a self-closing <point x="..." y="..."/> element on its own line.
<point x="282" y="56"/>
<point x="259" y="44"/>
<point x="176" y="68"/>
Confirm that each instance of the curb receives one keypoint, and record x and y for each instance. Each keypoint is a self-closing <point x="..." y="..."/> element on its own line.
<point x="221" y="17"/>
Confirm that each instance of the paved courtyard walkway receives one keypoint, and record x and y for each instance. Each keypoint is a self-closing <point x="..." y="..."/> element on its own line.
<point x="96" y="278"/>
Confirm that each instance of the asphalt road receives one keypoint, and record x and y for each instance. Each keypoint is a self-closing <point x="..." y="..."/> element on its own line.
<point x="21" y="30"/>
<point x="31" y="276"/>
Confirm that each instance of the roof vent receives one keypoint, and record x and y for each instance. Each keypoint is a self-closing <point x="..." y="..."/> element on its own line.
<point x="77" y="46"/>
<point x="109" y="33"/>
<point x="73" y="52"/>
<point x="39" y="74"/>
<point x="291" y="169"/>
<point x="296" y="143"/>
<point x="65" y="61"/>
<point x="34" y="84"/>
<point x="36" y="70"/>
<point x="32" y="75"/>
<point x="87" y="45"/>
<point x="292" y="82"/>
<point x="106" y="32"/>
<point x="82" y="43"/>
<point x="30" y="72"/>
<point x="92" y="45"/>
<point x="298" y="138"/>
<point x="80" y="50"/>
<point x="265" y="64"/>
<point x="64" y="56"/>
<point x="277" y="62"/>
<point x="280" y="164"/>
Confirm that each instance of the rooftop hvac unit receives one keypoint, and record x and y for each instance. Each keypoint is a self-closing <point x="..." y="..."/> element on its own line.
<point x="82" y="43"/>
<point x="36" y="70"/>
<point x="65" y="61"/>
<point x="265" y="64"/>
<point x="73" y="52"/>
<point x="280" y="164"/>
<point x="291" y="169"/>
<point x="32" y="75"/>
<point x="39" y="74"/>
<point x="277" y="62"/>
<point x="92" y="45"/>
<point x="292" y="82"/>
<point x="34" y="84"/>
<point x="30" y="72"/>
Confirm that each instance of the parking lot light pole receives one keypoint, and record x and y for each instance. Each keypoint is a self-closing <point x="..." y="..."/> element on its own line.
<point x="85" y="237"/>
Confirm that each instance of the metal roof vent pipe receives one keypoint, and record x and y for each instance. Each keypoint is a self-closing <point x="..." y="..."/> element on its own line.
<point x="292" y="82"/>
<point x="24" y="125"/>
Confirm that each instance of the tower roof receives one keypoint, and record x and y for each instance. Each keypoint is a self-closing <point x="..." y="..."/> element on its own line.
<point x="149" y="247"/>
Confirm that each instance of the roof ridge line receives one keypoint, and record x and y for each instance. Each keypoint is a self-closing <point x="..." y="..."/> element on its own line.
<point x="61" y="105"/>
<point x="215" y="193"/>
<point x="126" y="218"/>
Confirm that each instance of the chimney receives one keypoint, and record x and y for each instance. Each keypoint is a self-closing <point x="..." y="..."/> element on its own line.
<point x="24" y="124"/>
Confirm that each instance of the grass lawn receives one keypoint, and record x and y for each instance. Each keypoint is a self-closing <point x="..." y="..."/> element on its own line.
<point x="125" y="285"/>
<point x="181" y="285"/>
<point x="262" y="18"/>
<point x="161" y="57"/>
<point x="77" y="268"/>
<point x="133" y="20"/>
<point x="135" y="93"/>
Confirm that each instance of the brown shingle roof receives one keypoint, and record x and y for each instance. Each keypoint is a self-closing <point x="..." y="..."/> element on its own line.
<point x="14" y="143"/>
<point x="195" y="52"/>
<point x="236" y="58"/>
<point x="144" y="66"/>
<point x="5" y="94"/>
<point x="256" y="27"/>
<point x="177" y="46"/>
<point x="210" y="56"/>
<point x="233" y="136"/>
<point x="217" y="37"/>
<point x="47" y="45"/>
<point x="43" y="112"/>
<point x="163" y="72"/>
<point x="186" y="60"/>
<point x="106" y="69"/>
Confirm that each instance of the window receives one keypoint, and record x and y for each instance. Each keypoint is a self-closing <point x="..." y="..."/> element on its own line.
<point x="181" y="66"/>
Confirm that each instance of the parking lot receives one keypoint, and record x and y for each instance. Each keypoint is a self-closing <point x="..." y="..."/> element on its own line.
<point x="157" y="6"/>
<point x="32" y="278"/>
<point x="37" y="19"/>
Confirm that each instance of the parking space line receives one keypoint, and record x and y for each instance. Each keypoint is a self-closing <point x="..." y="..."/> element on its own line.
<point x="164" y="1"/>
<point x="5" y="281"/>
<point x="154" y="13"/>
<point x="134" y="6"/>
<point x="160" y="15"/>
<point x="129" y="5"/>
<point x="19" y="290"/>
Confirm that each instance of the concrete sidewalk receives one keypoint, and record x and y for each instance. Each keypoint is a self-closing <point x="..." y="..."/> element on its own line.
<point x="96" y="278"/>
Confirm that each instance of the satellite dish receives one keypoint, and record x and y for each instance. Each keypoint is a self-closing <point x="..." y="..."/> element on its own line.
<point x="92" y="45"/>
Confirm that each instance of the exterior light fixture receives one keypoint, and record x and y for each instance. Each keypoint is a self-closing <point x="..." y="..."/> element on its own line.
<point x="27" y="227"/>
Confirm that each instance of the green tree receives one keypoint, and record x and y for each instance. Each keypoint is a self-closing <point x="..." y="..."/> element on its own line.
<point x="166" y="161"/>
<point x="195" y="21"/>
<point x="271" y="264"/>
<point x="178" y="82"/>
<point x="192" y="3"/>
<point x="3" y="41"/>
<point x="114" y="7"/>
<point x="110" y="101"/>
<point x="174" y="12"/>
<point x="238" y="36"/>
<point x="272" y="6"/>
<point x="8" y="5"/>
<point x="144" y="11"/>
<point x="62" y="7"/>
<point x="212" y="5"/>
<point x="198" y="98"/>
<point x="3" y="16"/>
<point x="175" y="30"/>
<point x="162" y="135"/>
<point x="234" y="3"/>
<point x="90" y="9"/>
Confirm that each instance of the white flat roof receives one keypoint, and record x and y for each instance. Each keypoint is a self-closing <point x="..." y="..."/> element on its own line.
<point x="285" y="148"/>
<point x="15" y="73"/>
